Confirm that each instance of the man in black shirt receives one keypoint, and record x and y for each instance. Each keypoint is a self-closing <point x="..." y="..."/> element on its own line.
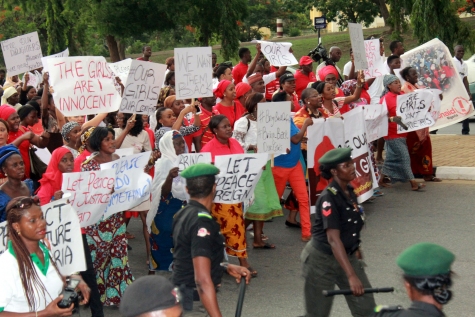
<point x="198" y="243"/>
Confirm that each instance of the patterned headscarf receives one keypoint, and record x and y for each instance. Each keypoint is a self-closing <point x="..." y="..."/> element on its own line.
<point x="347" y="86"/>
<point x="164" y="93"/>
<point x="68" y="127"/>
<point x="84" y="137"/>
<point x="387" y="80"/>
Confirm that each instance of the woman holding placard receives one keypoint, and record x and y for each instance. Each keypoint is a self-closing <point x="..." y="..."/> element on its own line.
<point x="397" y="164"/>
<point x="266" y="201"/>
<point x="31" y="282"/>
<point x="168" y="197"/>
<point x="106" y="239"/>
<point x="418" y="142"/>
<point x="229" y="216"/>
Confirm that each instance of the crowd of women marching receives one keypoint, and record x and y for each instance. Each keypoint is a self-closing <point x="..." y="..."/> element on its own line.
<point x="225" y="123"/>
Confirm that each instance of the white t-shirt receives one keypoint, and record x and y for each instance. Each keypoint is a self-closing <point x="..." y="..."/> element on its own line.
<point x="347" y="69"/>
<point x="266" y="78"/>
<point x="139" y="142"/>
<point x="12" y="295"/>
<point x="462" y="68"/>
<point x="376" y="88"/>
<point x="245" y="132"/>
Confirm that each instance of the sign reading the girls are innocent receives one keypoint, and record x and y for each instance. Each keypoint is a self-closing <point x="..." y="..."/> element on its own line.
<point x="82" y="85"/>
<point x="193" y="72"/>
<point x="273" y="127"/>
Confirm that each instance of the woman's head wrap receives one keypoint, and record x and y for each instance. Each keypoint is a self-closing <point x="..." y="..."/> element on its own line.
<point x="6" y="151"/>
<point x="219" y="91"/>
<point x="254" y="78"/>
<point x="347" y="86"/>
<point x="325" y="71"/>
<point x="242" y="89"/>
<point x="387" y="80"/>
<point x="84" y="137"/>
<point x="7" y="93"/>
<point x="6" y="111"/>
<point x="68" y="127"/>
<point x="53" y="175"/>
<point x="168" y="103"/>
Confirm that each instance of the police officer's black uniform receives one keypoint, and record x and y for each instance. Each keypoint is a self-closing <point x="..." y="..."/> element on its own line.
<point x="321" y="270"/>
<point x="417" y="309"/>
<point x="195" y="233"/>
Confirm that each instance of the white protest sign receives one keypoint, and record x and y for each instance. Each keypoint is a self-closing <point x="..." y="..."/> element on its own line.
<point x="121" y="69"/>
<point x="43" y="154"/>
<point x="142" y="88"/>
<point x="128" y="151"/>
<point x="64" y="234"/>
<point x="3" y="237"/>
<point x="132" y="185"/>
<point x="64" y="53"/>
<point x="436" y="104"/>
<point x="90" y="194"/>
<point x="436" y="70"/>
<point x="32" y="80"/>
<point x="83" y="85"/>
<point x="355" y="138"/>
<point x="375" y="60"/>
<point x="413" y="108"/>
<point x="357" y="44"/>
<point x="22" y="53"/>
<point x="273" y="127"/>
<point x="193" y="72"/>
<point x="277" y="53"/>
<point x="187" y="159"/>
<point x="238" y="176"/>
<point x="376" y="118"/>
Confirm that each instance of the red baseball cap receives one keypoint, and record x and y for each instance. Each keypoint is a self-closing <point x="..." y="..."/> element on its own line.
<point x="305" y="60"/>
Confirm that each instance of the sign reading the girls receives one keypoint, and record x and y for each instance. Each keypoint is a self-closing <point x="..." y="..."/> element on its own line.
<point x="193" y="72"/>
<point x="273" y="127"/>
<point x="83" y="85"/>
<point x="22" y="53"/>
<point x="64" y="53"/>
<point x="132" y="185"/>
<point x="238" y="176"/>
<point x="90" y="193"/>
<point x="64" y="235"/>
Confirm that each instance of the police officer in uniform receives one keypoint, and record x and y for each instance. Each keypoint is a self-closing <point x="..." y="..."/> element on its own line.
<point x="427" y="279"/>
<point x="198" y="243"/>
<point x="333" y="256"/>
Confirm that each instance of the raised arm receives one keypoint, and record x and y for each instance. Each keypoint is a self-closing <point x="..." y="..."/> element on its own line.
<point x="252" y="66"/>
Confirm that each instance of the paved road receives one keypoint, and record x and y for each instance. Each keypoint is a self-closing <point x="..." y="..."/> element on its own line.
<point x="443" y="214"/>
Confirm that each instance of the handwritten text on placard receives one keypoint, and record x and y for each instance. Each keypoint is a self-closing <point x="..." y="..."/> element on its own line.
<point x="374" y="58"/>
<point x="413" y="108"/>
<point x="83" y="85"/>
<point x="238" y="176"/>
<point x="357" y="44"/>
<point x="186" y="160"/>
<point x="3" y="237"/>
<point x="22" y="53"/>
<point x="64" y="53"/>
<point x="193" y="72"/>
<point x="278" y="54"/>
<point x="273" y="127"/>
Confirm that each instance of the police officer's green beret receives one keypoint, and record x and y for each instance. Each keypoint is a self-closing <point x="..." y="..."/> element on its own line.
<point x="199" y="169"/>
<point x="336" y="156"/>
<point x="425" y="259"/>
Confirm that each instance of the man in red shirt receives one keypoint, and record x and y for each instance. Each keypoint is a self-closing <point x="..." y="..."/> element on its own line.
<point x="146" y="53"/>
<point x="240" y="70"/>
<point x="304" y="75"/>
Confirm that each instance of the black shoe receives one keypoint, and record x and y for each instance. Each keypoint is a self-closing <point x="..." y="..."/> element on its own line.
<point x="292" y="225"/>
<point x="129" y="247"/>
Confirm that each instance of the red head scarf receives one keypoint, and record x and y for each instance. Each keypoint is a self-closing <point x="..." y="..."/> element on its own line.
<point x="6" y="111"/>
<point x="219" y="91"/>
<point x="242" y="89"/>
<point x="168" y="103"/>
<point x="53" y="175"/>
<point x="254" y="78"/>
<point x="323" y="72"/>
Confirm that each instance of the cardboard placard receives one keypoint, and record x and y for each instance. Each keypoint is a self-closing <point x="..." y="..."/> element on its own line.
<point x="22" y="53"/>
<point x="375" y="61"/>
<point x="188" y="159"/>
<point x="277" y="53"/>
<point x="413" y="108"/>
<point x="357" y="44"/>
<point x="44" y="60"/>
<point x="193" y="72"/>
<point x="273" y="127"/>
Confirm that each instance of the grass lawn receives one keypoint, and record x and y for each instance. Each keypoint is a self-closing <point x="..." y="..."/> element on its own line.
<point x="303" y="44"/>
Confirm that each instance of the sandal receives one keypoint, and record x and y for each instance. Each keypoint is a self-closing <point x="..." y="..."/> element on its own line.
<point x="432" y="179"/>
<point x="265" y="246"/>
<point x="419" y="186"/>
<point x="292" y="225"/>
<point x="264" y="237"/>
<point x="253" y="272"/>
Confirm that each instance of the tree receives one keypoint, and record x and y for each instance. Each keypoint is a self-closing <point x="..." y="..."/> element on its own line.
<point x="346" y="11"/>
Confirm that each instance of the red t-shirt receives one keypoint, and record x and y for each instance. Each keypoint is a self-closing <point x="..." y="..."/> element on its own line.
<point x="239" y="71"/>
<point x="204" y="131"/>
<point x="81" y="158"/>
<point x="217" y="148"/>
<point x="273" y="86"/>
<point x="141" y="59"/>
<point x="301" y="81"/>
<point x="391" y="104"/>
<point x="232" y="113"/>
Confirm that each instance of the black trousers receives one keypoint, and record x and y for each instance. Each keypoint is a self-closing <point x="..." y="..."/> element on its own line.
<point x="89" y="276"/>
<point x="465" y="126"/>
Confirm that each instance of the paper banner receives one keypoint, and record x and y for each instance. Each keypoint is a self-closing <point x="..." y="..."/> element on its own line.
<point x="64" y="53"/>
<point x="376" y="118"/>
<point x="22" y="53"/>
<point x="436" y="70"/>
<point x="238" y="176"/>
<point x="90" y="194"/>
<point x="128" y="151"/>
<point x="273" y="127"/>
<point x="83" y="85"/>
<point x="188" y="159"/>
<point x="193" y="72"/>
<point x="357" y="44"/>
<point x="64" y="234"/>
<point x="132" y="185"/>
<point x="375" y="61"/>
<point x="277" y="53"/>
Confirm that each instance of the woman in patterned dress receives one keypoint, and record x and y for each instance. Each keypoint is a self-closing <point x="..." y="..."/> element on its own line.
<point x="106" y="239"/>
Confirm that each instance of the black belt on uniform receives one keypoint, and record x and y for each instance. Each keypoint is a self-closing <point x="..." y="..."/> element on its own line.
<point x="327" y="249"/>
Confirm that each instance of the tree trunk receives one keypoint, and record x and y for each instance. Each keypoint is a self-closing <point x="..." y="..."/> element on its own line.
<point x="383" y="9"/>
<point x="113" y="49"/>
<point x="121" y="48"/>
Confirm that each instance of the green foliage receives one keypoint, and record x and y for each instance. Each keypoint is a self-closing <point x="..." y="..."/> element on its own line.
<point x="348" y="11"/>
<point x="398" y="17"/>
<point x="294" y="32"/>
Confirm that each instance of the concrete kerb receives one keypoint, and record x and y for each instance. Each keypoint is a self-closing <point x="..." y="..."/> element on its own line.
<point x="456" y="172"/>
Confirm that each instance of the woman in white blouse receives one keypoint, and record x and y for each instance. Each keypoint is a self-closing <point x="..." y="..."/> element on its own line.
<point x="266" y="203"/>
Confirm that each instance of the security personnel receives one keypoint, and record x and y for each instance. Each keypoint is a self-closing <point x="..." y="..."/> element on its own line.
<point x="333" y="256"/>
<point x="427" y="278"/>
<point x="198" y="243"/>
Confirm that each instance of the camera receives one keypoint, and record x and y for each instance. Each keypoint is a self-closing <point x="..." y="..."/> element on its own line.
<point x="69" y="295"/>
<point x="319" y="53"/>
